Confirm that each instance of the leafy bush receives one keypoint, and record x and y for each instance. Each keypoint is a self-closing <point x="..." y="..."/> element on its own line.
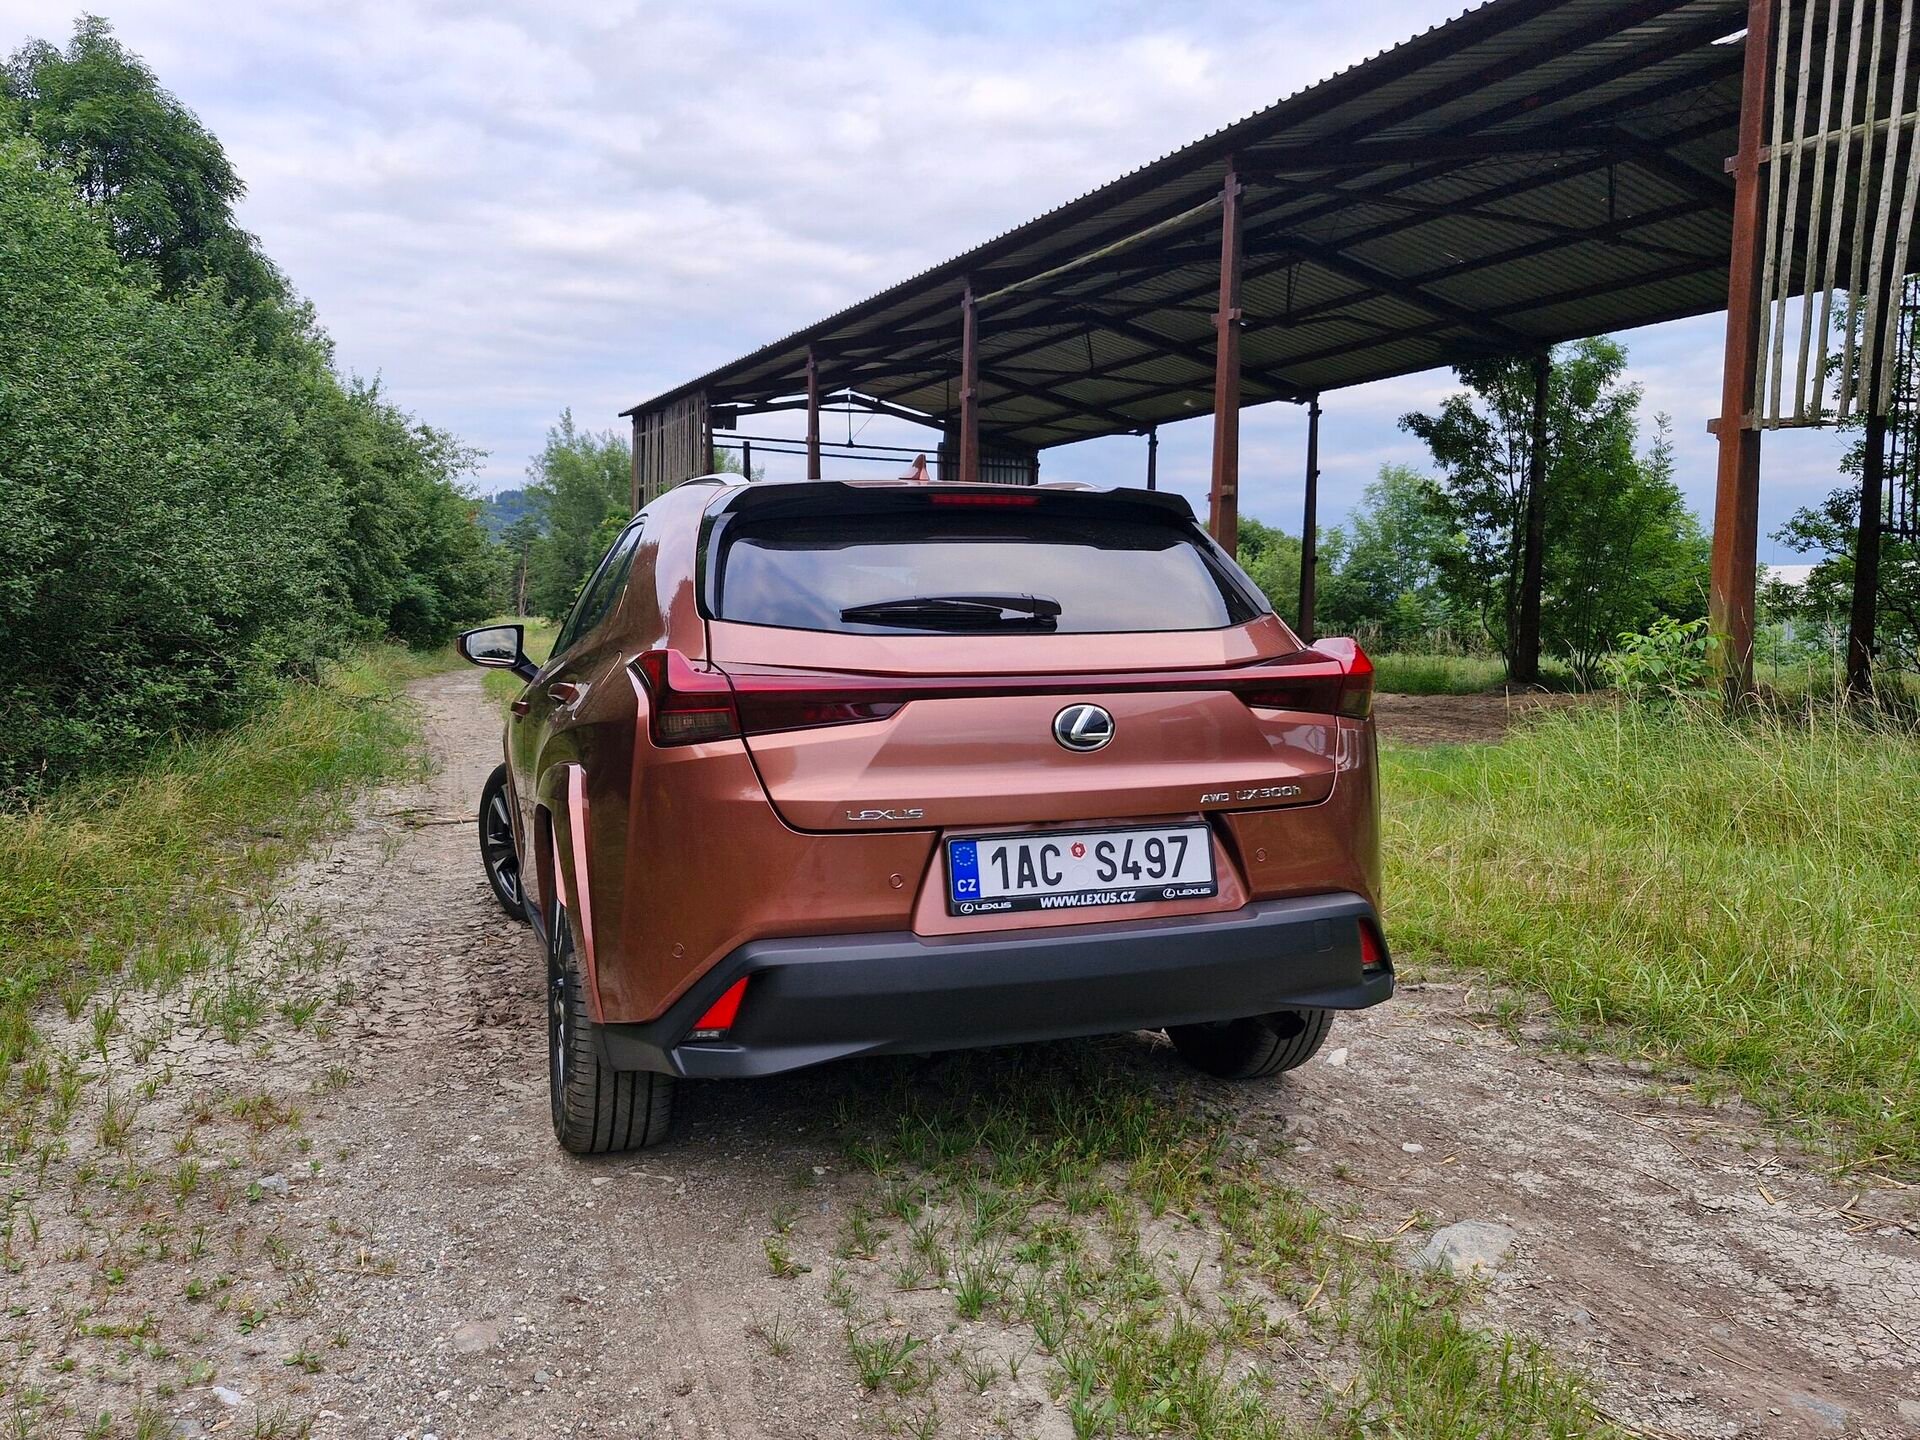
<point x="195" y="504"/>
<point x="1667" y="664"/>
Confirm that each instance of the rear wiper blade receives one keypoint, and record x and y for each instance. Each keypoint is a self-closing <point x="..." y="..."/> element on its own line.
<point x="958" y="612"/>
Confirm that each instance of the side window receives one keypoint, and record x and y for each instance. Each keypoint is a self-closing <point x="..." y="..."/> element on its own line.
<point x="599" y="593"/>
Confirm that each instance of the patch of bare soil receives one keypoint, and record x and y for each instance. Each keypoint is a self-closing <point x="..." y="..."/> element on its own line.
<point x="351" y="1216"/>
<point x="1462" y="719"/>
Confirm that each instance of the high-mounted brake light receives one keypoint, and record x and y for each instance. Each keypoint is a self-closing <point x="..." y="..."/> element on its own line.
<point x="988" y="499"/>
<point x="721" y="1014"/>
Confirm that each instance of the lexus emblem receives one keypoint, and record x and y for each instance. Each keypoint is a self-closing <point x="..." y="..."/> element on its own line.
<point x="1083" y="727"/>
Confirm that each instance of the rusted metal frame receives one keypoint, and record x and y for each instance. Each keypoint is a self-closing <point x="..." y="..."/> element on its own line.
<point x="1615" y="19"/>
<point x="813" y="416"/>
<point x="1310" y="525"/>
<point x="1163" y="390"/>
<point x="1412" y="293"/>
<point x="1440" y="211"/>
<point x="1736" y="510"/>
<point x="969" y="388"/>
<point x="1277" y="164"/>
<point x="1259" y="234"/>
<point x="1048" y="394"/>
<point x="1223" y="493"/>
<point x="832" y="401"/>
<point x="1525" y="641"/>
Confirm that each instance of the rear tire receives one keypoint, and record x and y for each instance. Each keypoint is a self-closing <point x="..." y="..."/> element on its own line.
<point x="498" y="853"/>
<point x="597" y="1110"/>
<point x="1256" y="1046"/>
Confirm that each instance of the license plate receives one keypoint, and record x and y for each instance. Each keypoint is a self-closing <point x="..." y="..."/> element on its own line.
<point x="1072" y="869"/>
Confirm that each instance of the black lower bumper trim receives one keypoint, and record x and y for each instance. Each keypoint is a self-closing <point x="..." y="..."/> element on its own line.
<point x="813" y="999"/>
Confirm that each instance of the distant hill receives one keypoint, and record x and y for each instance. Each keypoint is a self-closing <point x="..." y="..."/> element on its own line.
<point x="498" y="511"/>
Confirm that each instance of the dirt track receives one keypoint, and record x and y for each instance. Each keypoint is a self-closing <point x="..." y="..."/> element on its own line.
<point x="415" y="1257"/>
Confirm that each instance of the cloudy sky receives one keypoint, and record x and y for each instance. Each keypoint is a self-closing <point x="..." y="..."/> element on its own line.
<point x="504" y="210"/>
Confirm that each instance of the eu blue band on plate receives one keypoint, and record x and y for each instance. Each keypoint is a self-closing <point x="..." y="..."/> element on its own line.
<point x="963" y="869"/>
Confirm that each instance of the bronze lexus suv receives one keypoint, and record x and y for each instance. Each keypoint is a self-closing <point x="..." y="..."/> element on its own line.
<point x="827" y="769"/>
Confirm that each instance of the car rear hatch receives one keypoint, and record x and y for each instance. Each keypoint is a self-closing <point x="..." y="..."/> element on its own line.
<point x="905" y="657"/>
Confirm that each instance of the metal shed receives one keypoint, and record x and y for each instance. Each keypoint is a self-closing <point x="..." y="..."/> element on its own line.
<point x="1531" y="172"/>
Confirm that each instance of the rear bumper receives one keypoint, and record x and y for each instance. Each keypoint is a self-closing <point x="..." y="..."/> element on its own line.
<point x="818" y="998"/>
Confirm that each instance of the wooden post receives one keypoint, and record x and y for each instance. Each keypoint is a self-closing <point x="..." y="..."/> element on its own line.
<point x="1310" y="523"/>
<point x="1153" y="457"/>
<point x="746" y="458"/>
<point x="1866" y="555"/>
<point x="813" y="417"/>
<point x="1736" y="505"/>
<point x="1223" y="510"/>
<point x="1525" y="640"/>
<point x="969" y="389"/>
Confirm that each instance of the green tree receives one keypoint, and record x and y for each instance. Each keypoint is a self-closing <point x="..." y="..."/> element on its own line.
<point x="1623" y="550"/>
<point x="517" y="543"/>
<point x="582" y="484"/>
<point x="1482" y="441"/>
<point x="1271" y="559"/>
<point x="1388" y="578"/>
<point x="1831" y="531"/>
<point x="163" y="182"/>
<point x="196" y="505"/>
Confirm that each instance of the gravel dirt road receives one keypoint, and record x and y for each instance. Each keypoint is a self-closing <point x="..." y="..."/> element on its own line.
<point x="376" y="1236"/>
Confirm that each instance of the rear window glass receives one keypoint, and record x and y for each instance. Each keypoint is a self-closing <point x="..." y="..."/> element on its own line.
<point x="1104" y="573"/>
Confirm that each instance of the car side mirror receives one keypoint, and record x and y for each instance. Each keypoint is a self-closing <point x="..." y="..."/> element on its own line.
<point x="497" y="647"/>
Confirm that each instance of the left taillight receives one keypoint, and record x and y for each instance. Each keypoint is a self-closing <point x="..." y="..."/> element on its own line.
<point x="687" y="705"/>
<point x="691" y="704"/>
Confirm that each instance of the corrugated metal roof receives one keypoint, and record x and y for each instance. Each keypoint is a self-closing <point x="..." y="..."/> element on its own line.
<point x="1529" y="172"/>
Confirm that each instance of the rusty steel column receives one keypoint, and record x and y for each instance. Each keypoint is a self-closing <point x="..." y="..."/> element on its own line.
<point x="969" y="389"/>
<point x="1223" y="507"/>
<point x="1861" y="623"/>
<point x="1525" y="640"/>
<point x="1736" y="505"/>
<point x="1310" y="523"/>
<point x="1153" y="457"/>
<point x="813" y="417"/>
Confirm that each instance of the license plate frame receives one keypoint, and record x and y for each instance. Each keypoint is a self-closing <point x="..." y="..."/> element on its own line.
<point x="965" y="856"/>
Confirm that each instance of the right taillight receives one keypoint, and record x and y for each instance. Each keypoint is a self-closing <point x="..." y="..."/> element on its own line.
<point x="1356" y="676"/>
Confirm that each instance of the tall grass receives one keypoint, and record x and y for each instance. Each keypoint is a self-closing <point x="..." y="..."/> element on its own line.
<point x="139" y="874"/>
<point x="1399" y="672"/>
<point x="1743" y="897"/>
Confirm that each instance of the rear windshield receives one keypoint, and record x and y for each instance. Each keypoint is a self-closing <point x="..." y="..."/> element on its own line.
<point x="863" y="574"/>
